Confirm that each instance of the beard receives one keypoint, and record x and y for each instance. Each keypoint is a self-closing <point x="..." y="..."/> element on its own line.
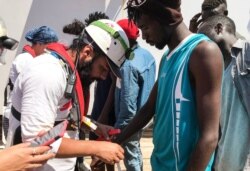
<point x="84" y="73"/>
<point x="160" y="45"/>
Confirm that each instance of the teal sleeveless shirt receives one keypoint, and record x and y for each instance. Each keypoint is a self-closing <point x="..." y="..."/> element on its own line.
<point x="176" y="125"/>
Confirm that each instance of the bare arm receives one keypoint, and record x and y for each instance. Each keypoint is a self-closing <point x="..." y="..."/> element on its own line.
<point x="109" y="104"/>
<point x="206" y="68"/>
<point x="142" y="117"/>
<point x="106" y="151"/>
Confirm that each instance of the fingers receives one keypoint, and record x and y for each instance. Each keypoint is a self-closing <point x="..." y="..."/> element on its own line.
<point x="105" y="134"/>
<point x="103" y="131"/>
<point x="120" y="156"/>
<point x="196" y="17"/>
<point x="39" y="154"/>
<point x="120" y="153"/>
<point x="199" y="22"/>
<point x="38" y="150"/>
<point x="116" y="160"/>
<point x="31" y="166"/>
<point x="39" y="157"/>
<point x="42" y="158"/>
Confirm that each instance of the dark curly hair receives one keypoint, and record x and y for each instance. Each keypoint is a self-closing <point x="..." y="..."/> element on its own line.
<point x="75" y="28"/>
<point x="94" y="17"/>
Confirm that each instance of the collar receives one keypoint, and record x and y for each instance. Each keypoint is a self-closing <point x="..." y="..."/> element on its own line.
<point x="237" y="46"/>
<point x="135" y="46"/>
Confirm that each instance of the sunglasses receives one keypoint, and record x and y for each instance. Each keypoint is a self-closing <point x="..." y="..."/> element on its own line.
<point x="135" y="3"/>
<point x="8" y="43"/>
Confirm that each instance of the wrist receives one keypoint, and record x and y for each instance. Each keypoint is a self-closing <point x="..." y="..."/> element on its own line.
<point x="91" y="124"/>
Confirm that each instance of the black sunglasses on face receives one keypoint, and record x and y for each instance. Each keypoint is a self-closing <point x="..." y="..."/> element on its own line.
<point x="8" y="43"/>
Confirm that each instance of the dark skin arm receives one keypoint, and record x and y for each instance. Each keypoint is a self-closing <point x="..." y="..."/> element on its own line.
<point x="109" y="104"/>
<point x="206" y="69"/>
<point x="143" y="116"/>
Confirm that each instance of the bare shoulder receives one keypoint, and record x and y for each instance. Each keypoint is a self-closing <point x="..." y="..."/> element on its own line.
<point x="206" y="54"/>
<point x="207" y="49"/>
<point x="206" y="64"/>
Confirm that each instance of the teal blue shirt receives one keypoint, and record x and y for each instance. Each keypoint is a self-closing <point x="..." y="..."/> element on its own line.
<point x="176" y="124"/>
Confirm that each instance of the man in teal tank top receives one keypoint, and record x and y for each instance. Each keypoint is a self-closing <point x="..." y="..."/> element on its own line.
<point x="185" y="101"/>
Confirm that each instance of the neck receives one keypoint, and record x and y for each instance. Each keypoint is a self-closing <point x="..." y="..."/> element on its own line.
<point x="180" y="32"/>
<point x="227" y="50"/>
<point x="72" y="54"/>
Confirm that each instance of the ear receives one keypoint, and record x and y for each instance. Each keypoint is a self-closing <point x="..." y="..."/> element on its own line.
<point x="218" y="28"/>
<point x="226" y="12"/>
<point x="87" y="53"/>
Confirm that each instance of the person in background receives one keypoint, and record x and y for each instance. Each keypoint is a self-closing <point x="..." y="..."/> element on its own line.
<point x="6" y="43"/>
<point x="19" y="157"/>
<point x="208" y="9"/>
<point x="185" y="106"/>
<point x="132" y="91"/>
<point x="10" y="44"/>
<point x="39" y="38"/>
<point x="234" y="144"/>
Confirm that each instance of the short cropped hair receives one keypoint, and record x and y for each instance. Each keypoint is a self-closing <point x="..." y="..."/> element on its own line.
<point x="211" y="22"/>
<point x="211" y="4"/>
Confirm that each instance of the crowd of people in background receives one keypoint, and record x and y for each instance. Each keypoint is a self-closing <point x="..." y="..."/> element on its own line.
<point x="199" y="101"/>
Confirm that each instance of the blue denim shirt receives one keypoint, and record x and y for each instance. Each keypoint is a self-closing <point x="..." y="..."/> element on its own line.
<point x="234" y="144"/>
<point x="133" y="89"/>
<point x="241" y="70"/>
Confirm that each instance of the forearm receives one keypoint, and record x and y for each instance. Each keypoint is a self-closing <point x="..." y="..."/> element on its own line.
<point x="109" y="105"/>
<point x="108" y="152"/>
<point x="142" y="117"/>
<point x="138" y="122"/>
<point x="202" y="153"/>
<point x="75" y="148"/>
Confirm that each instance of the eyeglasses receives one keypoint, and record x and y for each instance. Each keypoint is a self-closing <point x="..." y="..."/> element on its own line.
<point x="135" y="3"/>
<point x="8" y="43"/>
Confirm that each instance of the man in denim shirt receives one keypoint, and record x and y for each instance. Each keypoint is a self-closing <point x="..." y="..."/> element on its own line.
<point x="132" y="91"/>
<point x="234" y="144"/>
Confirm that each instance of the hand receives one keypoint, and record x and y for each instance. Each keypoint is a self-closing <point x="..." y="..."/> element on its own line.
<point x="195" y="22"/>
<point x="22" y="156"/>
<point x="96" y="164"/>
<point x="108" y="152"/>
<point x="103" y="130"/>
